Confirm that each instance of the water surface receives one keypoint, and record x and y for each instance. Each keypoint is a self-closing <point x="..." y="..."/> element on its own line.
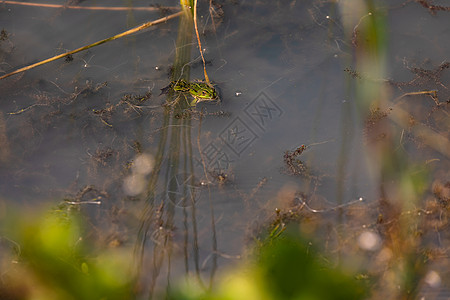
<point x="68" y="132"/>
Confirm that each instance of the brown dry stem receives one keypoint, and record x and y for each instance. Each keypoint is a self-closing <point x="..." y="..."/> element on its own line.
<point x="113" y="8"/>
<point x="200" y="43"/>
<point x="120" y="35"/>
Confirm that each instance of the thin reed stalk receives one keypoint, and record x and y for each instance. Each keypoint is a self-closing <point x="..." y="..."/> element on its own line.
<point x="120" y="35"/>
<point x="102" y="8"/>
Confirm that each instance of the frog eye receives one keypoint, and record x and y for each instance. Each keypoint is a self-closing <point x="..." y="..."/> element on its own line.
<point x="203" y="92"/>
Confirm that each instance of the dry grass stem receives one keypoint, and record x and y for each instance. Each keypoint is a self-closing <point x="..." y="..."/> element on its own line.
<point x="199" y="43"/>
<point x="128" y="32"/>
<point x="87" y="7"/>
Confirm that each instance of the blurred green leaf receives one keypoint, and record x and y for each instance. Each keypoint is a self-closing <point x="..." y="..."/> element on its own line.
<point x="57" y="264"/>
<point x="291" y="269"/>
<point x="285" y="268"/>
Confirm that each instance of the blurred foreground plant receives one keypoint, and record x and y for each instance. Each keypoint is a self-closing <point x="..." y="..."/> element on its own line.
<point x="400" y="166"/>
<point x="49" y="259"/>
<point x="286" y="267"/>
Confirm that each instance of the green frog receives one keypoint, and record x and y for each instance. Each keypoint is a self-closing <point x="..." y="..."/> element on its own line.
<point x="200" y="91"/>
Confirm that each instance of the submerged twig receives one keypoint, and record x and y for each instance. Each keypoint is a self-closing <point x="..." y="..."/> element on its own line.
<point x="433" y="8"/>
<point x="114" y="8"/>
<point x="432" y="94"/>
<point x="355" y="29"/>
<point x="120" y="35"/>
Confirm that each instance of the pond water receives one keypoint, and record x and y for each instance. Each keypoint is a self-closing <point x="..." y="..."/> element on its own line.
<point x="74" y="130"/>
